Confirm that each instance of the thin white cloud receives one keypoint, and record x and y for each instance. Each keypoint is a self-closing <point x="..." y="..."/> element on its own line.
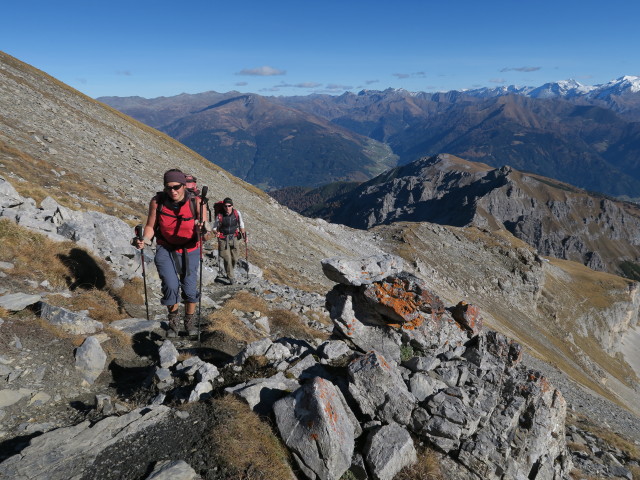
<point x="520" y="69"/>
<point x="271" y="89"/>
<point x="369" y="82"/>
<point x="300" y="85"/>
<point x="241" y="84"/>
<point x="335" y="86"/>
<point x="264" y="71"/>
<point x="411" y="75"/>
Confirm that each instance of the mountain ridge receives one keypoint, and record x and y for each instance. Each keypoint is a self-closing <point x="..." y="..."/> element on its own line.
<point x="588" y="138"/>
<point x="557" y="219"/>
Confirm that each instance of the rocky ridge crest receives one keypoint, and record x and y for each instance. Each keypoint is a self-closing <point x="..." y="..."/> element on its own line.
<point x="555" y="218"/>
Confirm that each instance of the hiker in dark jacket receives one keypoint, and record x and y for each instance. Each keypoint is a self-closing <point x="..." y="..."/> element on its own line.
<point x="229" y="228"/>
<point x="173" y="221"/>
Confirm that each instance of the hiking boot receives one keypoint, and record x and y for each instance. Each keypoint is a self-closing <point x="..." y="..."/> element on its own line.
<point x="232" y="280"/>
<point x="174" y="324"/>
<point x="190" y="324"/>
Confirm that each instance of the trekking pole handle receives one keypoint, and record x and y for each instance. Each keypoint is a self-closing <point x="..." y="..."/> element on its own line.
<point x="139" y="231"/>
<point x="203" y="193"/>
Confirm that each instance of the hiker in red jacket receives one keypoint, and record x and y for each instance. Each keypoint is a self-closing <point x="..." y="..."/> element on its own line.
<point x="173" y="220"/>
<point x="229" y="228"/>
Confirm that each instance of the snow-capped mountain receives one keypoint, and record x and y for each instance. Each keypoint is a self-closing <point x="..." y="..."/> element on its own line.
<point x="621" y="86"/>
<point x="566" y="88"/>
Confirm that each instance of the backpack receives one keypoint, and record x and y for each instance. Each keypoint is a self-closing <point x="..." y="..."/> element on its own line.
<point x="191" y="185"/>
<point x="161" y="198"/>
<point x="218" y="211"/>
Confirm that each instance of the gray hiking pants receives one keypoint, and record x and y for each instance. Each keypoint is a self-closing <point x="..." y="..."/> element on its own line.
<point x="228" y="251"/>
<point x="178" y="282"/>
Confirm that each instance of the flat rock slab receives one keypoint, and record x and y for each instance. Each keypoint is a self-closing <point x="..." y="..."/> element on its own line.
<point x="9" y="397"/>
<point x="67" y="452"/>
<point x="18" y="301"/>
<point x="132" y="326"/>
<point x="176" y="470"/>
<point x="361" y="271"/>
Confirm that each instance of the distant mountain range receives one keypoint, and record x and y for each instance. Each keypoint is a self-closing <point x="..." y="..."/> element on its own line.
<point x="588" y="136"/>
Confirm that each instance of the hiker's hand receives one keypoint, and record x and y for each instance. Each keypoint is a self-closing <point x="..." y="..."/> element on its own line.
<point x="136" y="242"/>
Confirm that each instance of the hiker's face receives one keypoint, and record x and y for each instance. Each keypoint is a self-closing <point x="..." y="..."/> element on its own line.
<point x="175" y="190"/>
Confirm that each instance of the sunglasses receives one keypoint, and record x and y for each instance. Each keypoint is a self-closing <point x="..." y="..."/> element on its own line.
<point x="173" y="187"/>
<point x="228" y="206"/>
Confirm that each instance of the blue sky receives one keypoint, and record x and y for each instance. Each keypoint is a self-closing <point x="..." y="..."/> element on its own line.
<point x="162" y="48"/>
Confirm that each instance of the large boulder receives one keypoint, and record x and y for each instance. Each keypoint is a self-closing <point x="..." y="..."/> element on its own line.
<point x="388" y="450"/>
<point x="361" y="271"/>
<point x="379" y="390"/>
<point x="319" y="428"/>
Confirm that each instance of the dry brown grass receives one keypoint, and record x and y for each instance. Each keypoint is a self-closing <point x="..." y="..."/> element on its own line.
<point x="578" y="447"/>
<point x="609" y="437"/>
<point x="34" y="256"/>
<point x="282" y="322"/>
<point x="117" y="343"/>
<point x="100" y="304"/>
<point x="426" y="468"/>
<point x="223" y="320"/>
<point x="62" y="264"/>
<point x="131" y="292"/>
<point x="4" y="312"/>
<point x="289" y="324"/>
<point x="247" y="447"/>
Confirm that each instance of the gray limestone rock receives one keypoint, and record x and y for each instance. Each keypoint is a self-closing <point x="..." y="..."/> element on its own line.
<point x="18" y="301"/>
<point x="131" y="326"/>
<point x="207" y="372"/>
<point x="173" y="470"/>
<point x="189" y="366"/>
<point x="334" y="350"/>
<point x="307" y="368"/>
<point x="316" y="425"/>
<point x="67" y="452"/>
<point x="167" y="354"/>
<point x="357" y="326"/>
<point x="261" y="393"/>
<point x="256" y="348"/>
<point x="201" y="391"/>
<point x="71" y="322"/>
<point x="90" y="359"/>
<point x="9" y="396"/>
<point x="361" y="271"/>
<point x="379" y="390"/>
<point x="388" y="450"/>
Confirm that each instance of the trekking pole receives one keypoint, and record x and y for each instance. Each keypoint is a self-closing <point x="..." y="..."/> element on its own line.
<point x="246" y="249"/>
<point x="138" y="231"/>
<point x="203" y="202"/>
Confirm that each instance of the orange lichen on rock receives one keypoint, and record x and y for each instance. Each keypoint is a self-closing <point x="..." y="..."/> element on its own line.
<point x="395" y="297"/>
<point x="328" y="399"/>
<point x="468" y="317"/>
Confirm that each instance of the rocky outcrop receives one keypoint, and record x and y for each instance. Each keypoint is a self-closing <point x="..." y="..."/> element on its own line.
<point x="67" y="452"/>
<point x="418" y="368"/>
